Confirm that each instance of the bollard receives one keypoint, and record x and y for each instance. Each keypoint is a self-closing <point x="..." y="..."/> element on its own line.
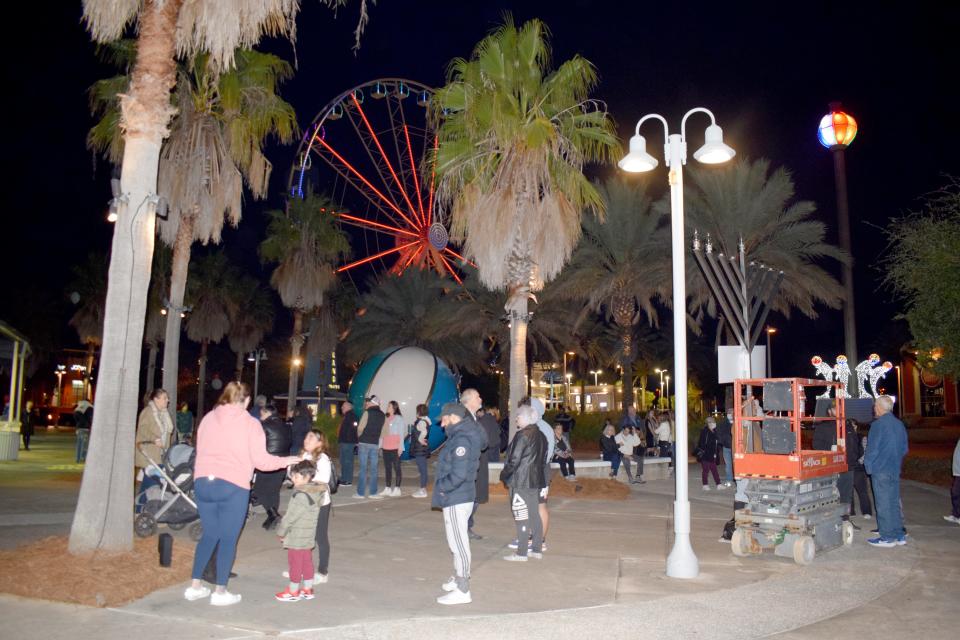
<point x="165" y="547"/>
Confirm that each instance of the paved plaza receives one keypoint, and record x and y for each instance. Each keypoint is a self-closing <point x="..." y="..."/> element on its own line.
<point x="602" y="576"/>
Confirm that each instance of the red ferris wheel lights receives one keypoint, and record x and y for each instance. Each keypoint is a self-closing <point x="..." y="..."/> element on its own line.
<point x="379" y="255"/>
<point x="413" y="170"/>
<point x="413" y="256"/>
<point x="376" y="225"/>
<point x="364" y="180"/>
<point x="458" y="256"/>
<point x="433" y="180"/>
<point x="449" y="267"/>
<point x="376" y="140"/>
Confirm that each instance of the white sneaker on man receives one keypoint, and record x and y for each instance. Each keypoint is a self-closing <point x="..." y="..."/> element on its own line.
<point x="721" y="487"/>
<point x="514" y="557"/>
<point x="449" y="585"/>
<point x="224" y="599"/>
<point x="376" y="496"/>
<point x="420" y="493"/>
<point x="320" y="578"/>
<point x="952" y="518"/>
<point x="455" y="597"/>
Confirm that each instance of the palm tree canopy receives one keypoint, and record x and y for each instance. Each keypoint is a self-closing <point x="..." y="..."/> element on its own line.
<point x="90" y="283"/>
<point x="305" y="242"/>
<point x="213" y="26"/>
<point x="749" y="201"/>
<point x="513" y="138"/>
<point x="253" y="316"/>
<point x="211" y="291"/>
<point x="622" y="265"/>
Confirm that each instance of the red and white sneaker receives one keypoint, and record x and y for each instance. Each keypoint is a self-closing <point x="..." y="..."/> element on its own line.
<point x="306" y="594"/>
<point x="290" y="596"/>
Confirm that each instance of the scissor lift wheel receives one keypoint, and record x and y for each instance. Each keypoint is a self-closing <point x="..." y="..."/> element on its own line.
<point x="803" y="550"/>
<point x="740" y="543"/>
<point x="846" y="530"/>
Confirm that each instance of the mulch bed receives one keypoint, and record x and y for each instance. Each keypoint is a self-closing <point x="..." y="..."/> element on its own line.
<point x="584" y="488"/>
<point x="45" y="569"/>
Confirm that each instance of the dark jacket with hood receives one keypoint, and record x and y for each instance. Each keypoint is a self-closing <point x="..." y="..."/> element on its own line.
<point x="456" y="472"/>
<point x="710" y="444"/>
<point x="278" y="435"/>
<point x="523" y="467"/>
<point x="420" y="426"/>
<point x="348" y="428"/>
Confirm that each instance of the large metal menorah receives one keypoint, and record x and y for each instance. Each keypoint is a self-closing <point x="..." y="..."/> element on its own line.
<point x="742" y="289"/>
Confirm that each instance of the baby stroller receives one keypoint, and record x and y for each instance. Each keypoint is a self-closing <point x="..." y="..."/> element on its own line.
<point x="166" y="494"/>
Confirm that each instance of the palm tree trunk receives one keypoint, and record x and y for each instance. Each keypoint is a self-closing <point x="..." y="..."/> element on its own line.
<point x="296" y="342"/>
<point x="238" y="374"/>
<point x="151" y="366"/>
<point x="517" y="307"/>
<point x="180" y="265"/>
<point x="89" y="372"/>
<point x="103" y="519"/>
<point x="583" y="395"/>
<point x="626" y="361"/>
<point x="202" y="378"/>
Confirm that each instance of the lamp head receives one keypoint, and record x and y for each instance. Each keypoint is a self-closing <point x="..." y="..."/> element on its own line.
<point x="638" y="160"/>
<point x="714" y="151"/>
<point x="837" y="129"/>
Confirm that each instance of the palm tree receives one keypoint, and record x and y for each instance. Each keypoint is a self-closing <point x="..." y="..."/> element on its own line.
<point x="214" y="300"/>
<point x="621" y="267"/>
<point x="103" y="518"/>
<point x="749" y="201"/>
<point x="153" y="332"/>
<point x="253" y="319"/>
<point x="90" y="286"/>
<point x="513" y="138"/>
<point x="305" y="242"/>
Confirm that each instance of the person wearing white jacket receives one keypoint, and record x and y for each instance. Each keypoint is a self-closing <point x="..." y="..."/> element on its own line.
<point x="627" y="440"/>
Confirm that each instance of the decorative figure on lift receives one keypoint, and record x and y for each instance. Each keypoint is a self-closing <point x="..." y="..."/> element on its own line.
<point x="863" y="372"/>
<point x="878" y="373"/>
<point x="825" y="370"/>
<point x="842" y="371"/>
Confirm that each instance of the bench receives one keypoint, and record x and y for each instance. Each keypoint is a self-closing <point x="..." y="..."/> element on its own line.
<point x="653" y="469"/>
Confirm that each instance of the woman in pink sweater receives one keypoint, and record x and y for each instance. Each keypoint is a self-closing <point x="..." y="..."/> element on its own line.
<point x="230" y="445"/>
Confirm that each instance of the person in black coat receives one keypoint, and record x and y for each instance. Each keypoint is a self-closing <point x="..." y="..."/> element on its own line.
<point x="27" y="420"/>
<point x="609" y="449"/>
<point x="267" y="484"/>
<point x="488" y="420"/>
<point x="708" y="449"/>
<point x="525" y="475"/>
<point x="471" y="400"/>
<point x="347" y="439"/>
<point x="725" y="434"/>
<point x="855" y="432"/>
<point x="300" y="426"/>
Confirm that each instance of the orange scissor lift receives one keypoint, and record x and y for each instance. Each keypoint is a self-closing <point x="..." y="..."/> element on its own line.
<point x="793" y="503"/>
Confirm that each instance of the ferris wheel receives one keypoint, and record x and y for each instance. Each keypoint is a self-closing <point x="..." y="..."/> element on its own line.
<point x="369" y="148"/>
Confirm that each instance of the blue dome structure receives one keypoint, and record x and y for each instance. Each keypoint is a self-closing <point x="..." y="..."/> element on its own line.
<point x="411" y="376"/>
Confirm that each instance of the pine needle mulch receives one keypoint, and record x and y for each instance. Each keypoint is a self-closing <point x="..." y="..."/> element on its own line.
<point x="583" y="488"/>
<point x="97" y="579"/>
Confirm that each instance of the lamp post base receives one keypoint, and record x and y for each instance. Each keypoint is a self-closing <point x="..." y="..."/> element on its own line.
<point x="682" y="561"/>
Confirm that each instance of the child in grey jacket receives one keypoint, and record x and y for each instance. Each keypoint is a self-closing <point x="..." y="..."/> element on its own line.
<point x="298" y="531"/>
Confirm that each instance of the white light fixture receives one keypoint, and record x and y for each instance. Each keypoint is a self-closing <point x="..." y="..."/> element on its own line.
<point x="638" y="160"/>
<point x="714" y="151"/>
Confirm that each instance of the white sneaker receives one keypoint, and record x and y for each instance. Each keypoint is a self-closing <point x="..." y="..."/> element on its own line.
<point x="449" y="585"/>
<point x="721" y="487"/>
<point x="396" y="492"/>
<point x="286" y="574"/>
<point x="386" y="492"/>
<point x="573" y="478"/>
<point x="376" y="496"/>
<point x="420" y="493"/>
<point x="192" y="594"/>
<point x="319" y="578"/>
<point x="534" y="555"/>
<point x="706" y="487"/>
<point x="867" y="516"/>
<point x="224" y="599"/>
<point x="455" y="597"/>
<point x="728" y="484"/>
<point x="952" y="518"/>
<point x="513" y="557"/>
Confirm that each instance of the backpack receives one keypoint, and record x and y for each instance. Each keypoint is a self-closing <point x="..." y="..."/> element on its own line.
<point x="334" y="483"/>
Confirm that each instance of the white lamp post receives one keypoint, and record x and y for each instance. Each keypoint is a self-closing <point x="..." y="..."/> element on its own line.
<point x="661" y="372"/>
<point x="595" y="374"/>
<point x="682" y="561"/>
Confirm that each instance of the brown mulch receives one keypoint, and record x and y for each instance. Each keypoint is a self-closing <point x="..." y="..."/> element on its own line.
<point x="585" y="488"/>
<point x="98" y="579"/>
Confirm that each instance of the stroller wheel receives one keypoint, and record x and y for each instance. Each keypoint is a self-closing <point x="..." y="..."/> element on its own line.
<point x="144" y="525"/>
<point x="176" y="526"/>
<point x="196" y="531"/>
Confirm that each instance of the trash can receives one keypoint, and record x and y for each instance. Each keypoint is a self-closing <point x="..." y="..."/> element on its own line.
<point x="9" y="440"/>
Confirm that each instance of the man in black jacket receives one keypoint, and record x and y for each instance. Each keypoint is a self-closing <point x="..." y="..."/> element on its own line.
<point x="368" y="444"/>
<point x="454" y="491"/>
<point x="347" y="439"/>
<point x="524" y="474"/>
<point x="267" y="484"/>
<point x="472" y="402"/>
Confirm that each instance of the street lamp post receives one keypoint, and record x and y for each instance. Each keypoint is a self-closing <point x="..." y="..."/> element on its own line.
<point x="669" y="406"/>
<point x="255" y="357"/>
<point x="770" y="332"/>
<point x="61" y="369"/>
<point x="595" y="374"/>
<point x="682" y="561"/>
<point x="661" y="372"/>
<point x="837" y="130"/>
<point x="566" y="378"/>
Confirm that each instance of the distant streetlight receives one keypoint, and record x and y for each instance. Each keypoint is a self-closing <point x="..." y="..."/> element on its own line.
<point x="595" y="374"/>
<point x="667" y="378"/>
<point x="61" y="369"/>
<point x="770" y="332"/>
<point x="661" y="372"/>
<point x="837" y="130"/>
<point x="256" y="357"/>
<point x="682" y="561"/>
<point x="566" y="376"/>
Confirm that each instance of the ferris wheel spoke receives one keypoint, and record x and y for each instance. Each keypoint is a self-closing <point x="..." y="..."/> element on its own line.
<point x="382" y="254"/>
<point x="416" y="181"/>
<point x="459" y="257"/>
<point x="362" y="179"/>
<point x="375" y="226"/>
<point x="383" y="153"/>
<point x="433" y="180"/>
<point x="395" y="108"/>
<point x="450" y="268"/>
<point x="348" y="180"/>
<point x="376" y="161"/>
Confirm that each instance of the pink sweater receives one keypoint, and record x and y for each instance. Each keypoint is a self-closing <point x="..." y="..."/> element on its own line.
<point x="231" y="444"/>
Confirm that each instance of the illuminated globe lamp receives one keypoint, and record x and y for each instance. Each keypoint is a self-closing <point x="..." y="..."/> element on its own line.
<point x="837" y="129"/>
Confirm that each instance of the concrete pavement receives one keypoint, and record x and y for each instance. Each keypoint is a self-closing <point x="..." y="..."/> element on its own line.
<point x="601" y="576"/>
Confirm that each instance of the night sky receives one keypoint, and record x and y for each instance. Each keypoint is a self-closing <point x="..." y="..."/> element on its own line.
<point x="766" y="71"/>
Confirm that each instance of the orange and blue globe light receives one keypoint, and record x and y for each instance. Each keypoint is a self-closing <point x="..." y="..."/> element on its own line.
<point x="837" y="129"/>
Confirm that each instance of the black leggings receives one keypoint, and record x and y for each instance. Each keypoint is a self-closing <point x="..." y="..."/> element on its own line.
<point x="566" y="466"/>
<point x="391" y="463"/>
<point x="267" y="488"/>
<point x="323" y="540"/>
<point x="863" y="493"/>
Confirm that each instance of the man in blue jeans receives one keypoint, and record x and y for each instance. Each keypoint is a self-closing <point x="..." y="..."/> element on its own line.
<point x="368" y="436"/>
<point x="886" y="448"/>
